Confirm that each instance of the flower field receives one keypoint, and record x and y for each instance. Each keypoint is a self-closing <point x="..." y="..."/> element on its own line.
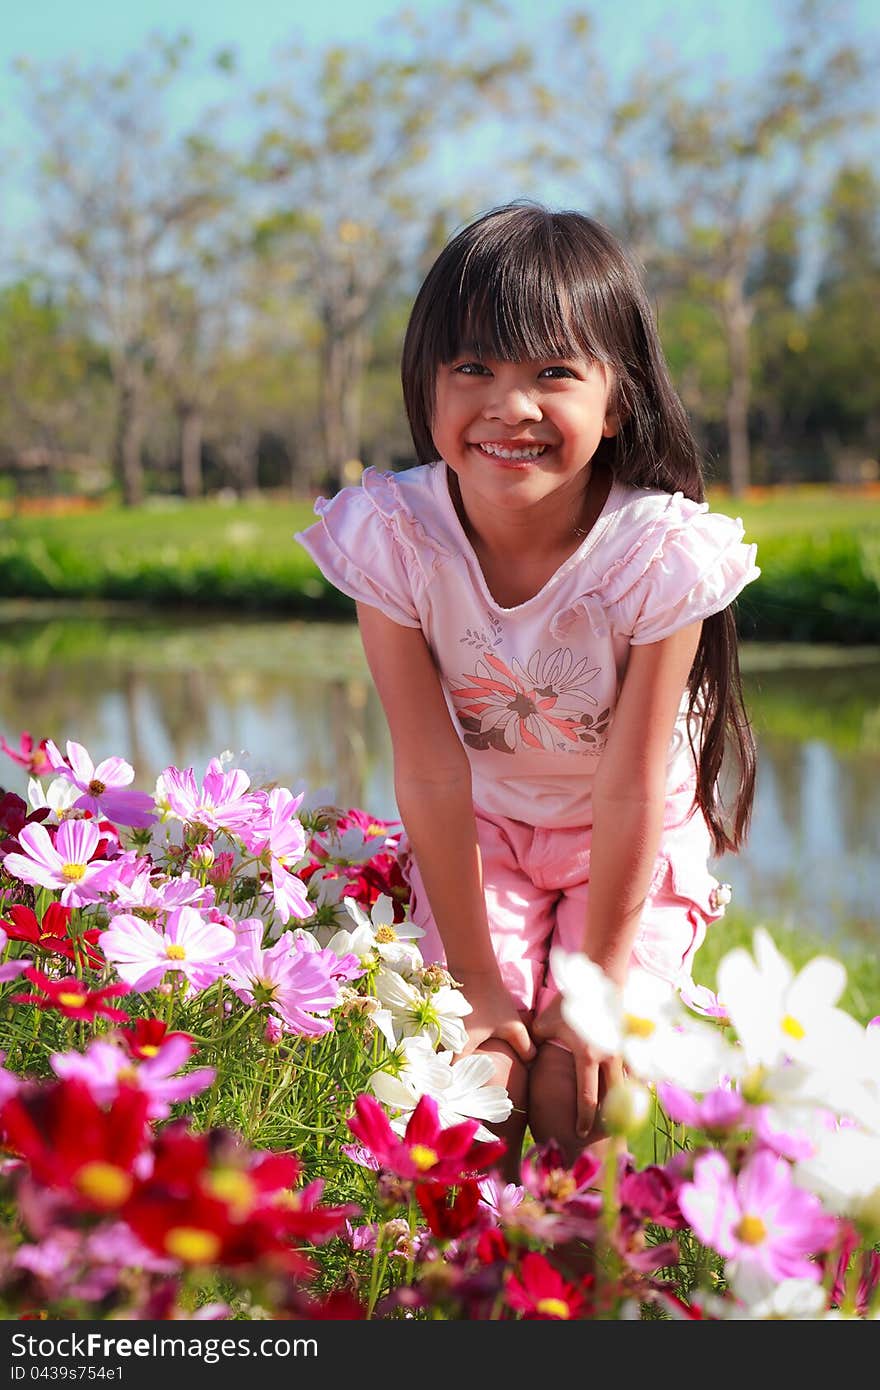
<point x="230" y="1089"/>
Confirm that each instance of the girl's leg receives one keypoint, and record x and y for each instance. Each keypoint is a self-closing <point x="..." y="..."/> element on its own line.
<point x="552" y="1104"/>
<point x="511" y="1073"/>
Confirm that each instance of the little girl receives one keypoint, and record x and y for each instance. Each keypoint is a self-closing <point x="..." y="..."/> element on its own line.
<point x="544" y="604"/>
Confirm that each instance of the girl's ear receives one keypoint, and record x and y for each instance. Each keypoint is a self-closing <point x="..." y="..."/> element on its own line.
<point x="611" y="425"/>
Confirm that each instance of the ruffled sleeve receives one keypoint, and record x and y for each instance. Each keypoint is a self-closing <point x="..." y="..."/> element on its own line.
<point x="687" y="564"/>
<point x="369" y="545"/>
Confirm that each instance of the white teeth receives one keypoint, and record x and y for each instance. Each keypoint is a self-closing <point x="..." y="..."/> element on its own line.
<point x="498" y="451"/>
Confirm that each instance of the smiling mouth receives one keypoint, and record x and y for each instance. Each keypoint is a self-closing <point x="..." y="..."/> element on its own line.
<point x="525" y="453"/>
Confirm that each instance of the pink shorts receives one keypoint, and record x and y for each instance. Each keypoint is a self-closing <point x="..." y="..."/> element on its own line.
<point x="537" y="887"/>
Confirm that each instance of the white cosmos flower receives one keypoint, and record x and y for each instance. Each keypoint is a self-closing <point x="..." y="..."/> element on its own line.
<point x="463" y="1090"/>
<point x="644" y="1023"/>
<point x="393" y="941"/>
<point x="779" y="1015"/>
<point x="59" y="796"/>
<point x="437" y="1014"/>
<point x="844" y="1171"/>
<point x="792" y="1300"/>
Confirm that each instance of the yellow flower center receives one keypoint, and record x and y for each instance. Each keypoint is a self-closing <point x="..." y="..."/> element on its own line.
<point x="96" y="788"/>
<point x="423" y="1157"/>
<point x="73" y="872"/>
<point x="128" y="1074"/>
<point x="793" y="1028"/>
<point x="385" y="933"/>
<point x="560" y="1185"/>
<point x="103" y="1183"/>
<point x="553" y="1308"/>
<point x="232" y="1186"/>
<point x="175" y="952"/>
<point x="149" y="1050"/>
<point x="751" y="1230"/>
<point x="638" y="1027"/>
<point x="72" y="1000"/>
<point x="192" y="1245"/>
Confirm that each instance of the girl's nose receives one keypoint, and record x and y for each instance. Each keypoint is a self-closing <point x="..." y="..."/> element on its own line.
<point x="511" y="405"/>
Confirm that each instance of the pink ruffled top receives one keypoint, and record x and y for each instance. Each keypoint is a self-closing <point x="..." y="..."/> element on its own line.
<point x="532" y="689"/>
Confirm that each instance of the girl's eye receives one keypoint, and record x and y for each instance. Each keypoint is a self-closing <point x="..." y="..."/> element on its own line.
<point x="470" y="369"/>
<point x="557" y="372"/>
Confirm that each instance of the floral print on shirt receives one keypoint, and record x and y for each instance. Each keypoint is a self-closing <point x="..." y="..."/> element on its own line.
<point x="542" y="705"/>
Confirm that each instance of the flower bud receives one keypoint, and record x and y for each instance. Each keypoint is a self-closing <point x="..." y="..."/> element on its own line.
<point x="626" y="1107"/>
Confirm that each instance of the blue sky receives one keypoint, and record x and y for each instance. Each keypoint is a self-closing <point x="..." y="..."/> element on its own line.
<point x="713" y="37"/>
<point x="734" y="33"/>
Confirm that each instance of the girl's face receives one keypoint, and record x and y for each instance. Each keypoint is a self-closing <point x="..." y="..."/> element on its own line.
<point x="515" y="432"/>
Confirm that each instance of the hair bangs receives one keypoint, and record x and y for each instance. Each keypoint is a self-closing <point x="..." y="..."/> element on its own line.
<point x="515" y="306"/>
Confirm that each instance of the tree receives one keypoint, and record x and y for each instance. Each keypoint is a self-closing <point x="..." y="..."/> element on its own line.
<point x="343" y="162"/>
<point x="121" y="202"/>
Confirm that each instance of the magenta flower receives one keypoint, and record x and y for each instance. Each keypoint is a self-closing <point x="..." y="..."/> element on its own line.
<point x="103" y="787"/>
<point x="67" y="864"/>
<point x="571" y="1193"/>
<point x="428" y="1152"/>
<point x="758" y="1220"/>
<point x="105" y="1067"/>
<point x="189" y="946"/>
<point x="222" y="802"/>
<point x="719" y="1112"/>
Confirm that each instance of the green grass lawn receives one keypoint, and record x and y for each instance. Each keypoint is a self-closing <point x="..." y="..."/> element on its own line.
<point x="819" y="552"/>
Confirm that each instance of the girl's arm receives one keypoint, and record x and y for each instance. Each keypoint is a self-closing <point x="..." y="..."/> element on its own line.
<point x="432" y="784"/>
<point x="629" y="794"/>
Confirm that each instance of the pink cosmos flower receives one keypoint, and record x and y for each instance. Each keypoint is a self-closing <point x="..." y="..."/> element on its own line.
<point x="103" y="787"/>
<point x="719" y="1111"/>
<point x="758" y="1220"/>
<point x="190" y="946"/>
<point x="280" y="841"/>
<point x="137" y="889"/>
<point x="569" y="1192"/>
<point x="10" y="968"/>
<point x="342" y="968"/>
<point x="67" y="864"/>
<point x="256" y="975"/>
<point x="29" y="754"/>
<point x="296" y="984"/>
<point x="222" y="802"/>
<point x="105" y="1067"/>
<point x="427" y="1152"/>
<point x="309" y="990"/>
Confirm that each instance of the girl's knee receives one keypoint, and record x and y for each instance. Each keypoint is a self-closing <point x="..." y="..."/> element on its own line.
<point x="552" y="1107"/>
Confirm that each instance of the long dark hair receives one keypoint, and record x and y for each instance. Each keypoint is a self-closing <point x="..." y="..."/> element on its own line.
<point x="523" y="283"/>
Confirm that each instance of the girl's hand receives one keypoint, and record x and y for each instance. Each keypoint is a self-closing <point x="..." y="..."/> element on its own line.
<point x="493" y="1014"/>
<point x="594" y="1072"/>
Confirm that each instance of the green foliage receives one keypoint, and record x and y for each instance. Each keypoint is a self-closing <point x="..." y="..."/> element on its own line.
<point x="819" y="555"/>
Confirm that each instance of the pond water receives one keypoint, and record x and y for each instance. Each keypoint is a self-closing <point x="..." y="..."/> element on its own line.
<point x="294" y="701"/>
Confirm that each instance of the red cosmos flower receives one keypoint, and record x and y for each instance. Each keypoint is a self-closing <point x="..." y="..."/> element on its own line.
<point x="427" y="1152"/>
<point x="14" y="814"/>
<point x="210" y="1200"/>
<point x="72" y="1143"/>
<point x="72" y="998"/>
<point x="541" y="1291"/>
<point x="28" y="754"/>
<point x="146" y="1037"/>
<point x="448" y="1219"/>
<point x="52" y="933"/>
